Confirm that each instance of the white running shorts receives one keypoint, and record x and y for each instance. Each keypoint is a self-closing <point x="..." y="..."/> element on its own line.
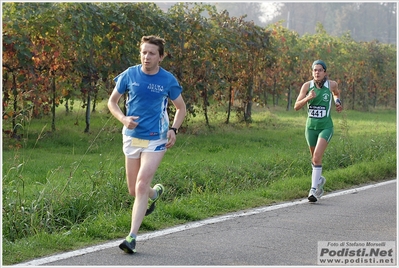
<point x="133" y="147"/>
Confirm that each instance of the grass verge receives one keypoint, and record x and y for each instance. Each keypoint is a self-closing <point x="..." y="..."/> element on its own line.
<point x="66" y="190"/>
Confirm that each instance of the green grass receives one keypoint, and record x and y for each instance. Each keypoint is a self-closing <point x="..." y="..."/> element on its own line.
<point x="67" y="189"/>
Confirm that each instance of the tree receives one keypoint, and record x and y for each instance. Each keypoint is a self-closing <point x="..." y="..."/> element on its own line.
<point x="38" y="56"/>
<point x="51" y="55"/>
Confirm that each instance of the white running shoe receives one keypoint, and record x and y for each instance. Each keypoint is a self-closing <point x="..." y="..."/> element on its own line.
<point x="312" y="195"/>
<point x="319" y="189"/>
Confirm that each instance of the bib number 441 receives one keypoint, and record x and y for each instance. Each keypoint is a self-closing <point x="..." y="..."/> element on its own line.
<point x="317" y="112"/>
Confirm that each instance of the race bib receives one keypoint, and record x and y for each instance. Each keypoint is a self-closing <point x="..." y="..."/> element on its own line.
<point x="317" y="111"/>
<point x="140" y="143"/>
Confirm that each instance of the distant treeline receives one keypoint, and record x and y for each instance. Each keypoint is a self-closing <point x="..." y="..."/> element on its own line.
<point x="365" y="21"/>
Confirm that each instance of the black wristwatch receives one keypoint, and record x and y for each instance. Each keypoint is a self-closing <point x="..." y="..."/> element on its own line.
<point x="174" y="129"/>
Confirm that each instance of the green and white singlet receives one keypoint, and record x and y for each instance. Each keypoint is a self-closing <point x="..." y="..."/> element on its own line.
<point x="319" y="108"/>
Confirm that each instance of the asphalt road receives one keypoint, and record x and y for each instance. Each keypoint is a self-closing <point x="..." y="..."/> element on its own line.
<point x="281" y="235"/>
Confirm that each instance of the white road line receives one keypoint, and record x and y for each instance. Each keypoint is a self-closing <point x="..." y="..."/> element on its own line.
<point x="191" y="225"/>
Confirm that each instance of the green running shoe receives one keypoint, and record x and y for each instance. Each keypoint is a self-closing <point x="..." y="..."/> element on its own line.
<point x="160" y="190"/>
<point x="128" y="245"/>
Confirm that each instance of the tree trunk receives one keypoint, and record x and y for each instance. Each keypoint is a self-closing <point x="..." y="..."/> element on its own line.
<point x="248" y="108"/>
<point x="87" y="129"/>
<point x="231" y="100"/>
<point x="274" y="91"/>
<point x="15" y="105"/>
<point x="353" y="96"/>
<point x="289" y="98"/>
<point x="53" y="104"/>
<point x="205" y="105"/>
<point x="94" y="101"/>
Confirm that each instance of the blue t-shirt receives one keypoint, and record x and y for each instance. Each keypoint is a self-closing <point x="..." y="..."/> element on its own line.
<point x="148" y="98"/>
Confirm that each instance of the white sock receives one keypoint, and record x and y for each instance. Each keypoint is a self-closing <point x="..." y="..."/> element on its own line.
<point x="316" y="174"/>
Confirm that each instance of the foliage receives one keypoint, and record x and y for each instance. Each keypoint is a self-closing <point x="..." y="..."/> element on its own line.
<point x="51" y="56"/>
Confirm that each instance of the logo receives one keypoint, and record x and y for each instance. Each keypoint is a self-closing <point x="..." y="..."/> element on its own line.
<point x="326" y="97"/>
<point x="155" y="88"/>
<point x="356" y="253"/>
